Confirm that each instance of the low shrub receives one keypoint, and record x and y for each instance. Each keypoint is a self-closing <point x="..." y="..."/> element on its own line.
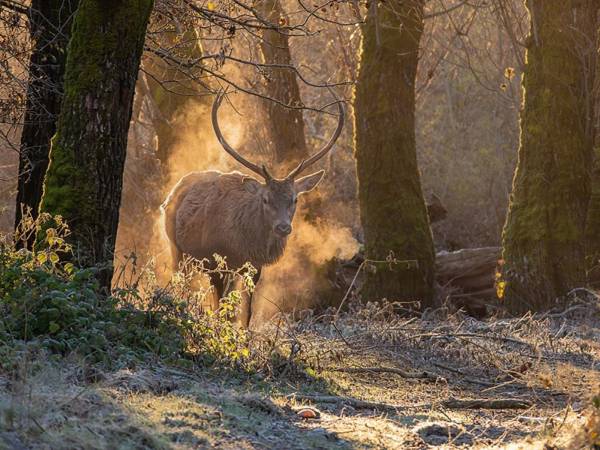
<point x="48" y="302"/>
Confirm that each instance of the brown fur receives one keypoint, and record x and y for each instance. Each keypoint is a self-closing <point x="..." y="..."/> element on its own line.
<point x="211" y="212"/>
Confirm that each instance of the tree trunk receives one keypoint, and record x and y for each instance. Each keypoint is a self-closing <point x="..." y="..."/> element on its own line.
<point x="543" y="236"/>
<point x="50" y="28"/>
<point x="592" y="225"/>
<point x="393" y="212"/>
<point x="285" y="126"/>
<point x="171" y="91"/>
<point x="85" y="177"/>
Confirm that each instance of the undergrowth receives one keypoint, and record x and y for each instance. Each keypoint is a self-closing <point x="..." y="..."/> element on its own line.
<point x="49" y="304"/>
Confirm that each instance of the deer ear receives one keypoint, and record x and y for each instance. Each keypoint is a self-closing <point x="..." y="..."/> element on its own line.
<point x="309" y="182"/>
<point x="251" y="185"/>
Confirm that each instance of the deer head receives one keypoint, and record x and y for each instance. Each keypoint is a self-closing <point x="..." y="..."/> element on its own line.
<point x="278" y="197"/>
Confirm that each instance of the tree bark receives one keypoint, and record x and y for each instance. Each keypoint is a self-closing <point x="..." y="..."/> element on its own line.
<point x="285" y="126"/>
<point x="50" y="28"/>
<point x="543" y="238"/>
<point x="85" y="176"/>
<point x="393" y="212"/>
<point x="170" y="91"/>
<point x="592" y="225"/>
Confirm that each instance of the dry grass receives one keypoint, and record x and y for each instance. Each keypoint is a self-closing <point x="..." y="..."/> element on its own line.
<point x="423" y="363"/>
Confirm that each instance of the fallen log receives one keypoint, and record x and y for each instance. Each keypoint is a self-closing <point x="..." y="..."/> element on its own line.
<point x="468" y="276"/>
<point x="470" y="269"/>
<point x="420" y="375"/>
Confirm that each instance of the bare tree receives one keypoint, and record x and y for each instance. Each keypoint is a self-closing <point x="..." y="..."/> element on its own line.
<point x="285" y="126"/>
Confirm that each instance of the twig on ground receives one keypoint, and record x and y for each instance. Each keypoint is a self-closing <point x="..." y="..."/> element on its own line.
<point x="421" y="375"/>
<point x="471" y="335"/>
<point x="362" y="264"/>
<point x="565" y="312"/>
<point x="497" y="386"/>
<point x="451" y="403"/>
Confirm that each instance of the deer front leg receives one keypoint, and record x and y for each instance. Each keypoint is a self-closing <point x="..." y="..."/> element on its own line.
<point x="217" y="282"/>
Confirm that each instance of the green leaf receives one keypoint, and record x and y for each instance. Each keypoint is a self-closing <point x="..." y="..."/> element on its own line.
<point x="53" y="327"/>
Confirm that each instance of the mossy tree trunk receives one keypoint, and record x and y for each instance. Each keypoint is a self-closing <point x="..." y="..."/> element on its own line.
<point x="50" y="28"/>
<point x="285" y="125"/>
<point x="85" y="176"/>
<point x="543" y="237"/>
<point x="393" y="211"/>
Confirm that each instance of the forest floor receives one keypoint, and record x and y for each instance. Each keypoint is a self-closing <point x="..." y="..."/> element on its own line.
<point x="375" y="379"/>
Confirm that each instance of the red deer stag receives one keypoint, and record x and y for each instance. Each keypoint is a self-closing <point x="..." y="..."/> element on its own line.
<point x="235" y="215"/>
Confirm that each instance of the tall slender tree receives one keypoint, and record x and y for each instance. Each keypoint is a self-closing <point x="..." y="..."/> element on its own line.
<point x="50" y="29"/>
<point x="285" y="125"/>
<point x="543" y="237"/>
<point x="85" y="176"/>
<point x="393" y="212"/>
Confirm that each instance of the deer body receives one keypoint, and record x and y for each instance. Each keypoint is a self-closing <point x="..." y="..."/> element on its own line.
<point x="211" y="212"/>
<point x="235" y="215"/>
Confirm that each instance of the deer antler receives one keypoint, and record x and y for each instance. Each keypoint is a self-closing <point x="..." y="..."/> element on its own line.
<point x="326" y="148"/>
<point x="262" y="171"/>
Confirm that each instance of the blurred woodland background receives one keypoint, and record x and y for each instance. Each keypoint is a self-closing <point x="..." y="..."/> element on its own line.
<point x="467" y="91"/>
<point x="468" y="97"/>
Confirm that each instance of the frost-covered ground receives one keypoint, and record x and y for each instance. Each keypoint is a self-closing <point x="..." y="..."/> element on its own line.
<point x="376" y="380"/>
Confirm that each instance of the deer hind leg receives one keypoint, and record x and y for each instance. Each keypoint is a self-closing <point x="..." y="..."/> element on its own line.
<point x="242" y="314"/>
<point x="176" y="256"/>
<point x="244" y="311"/>
<point x="222" y="284"/>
